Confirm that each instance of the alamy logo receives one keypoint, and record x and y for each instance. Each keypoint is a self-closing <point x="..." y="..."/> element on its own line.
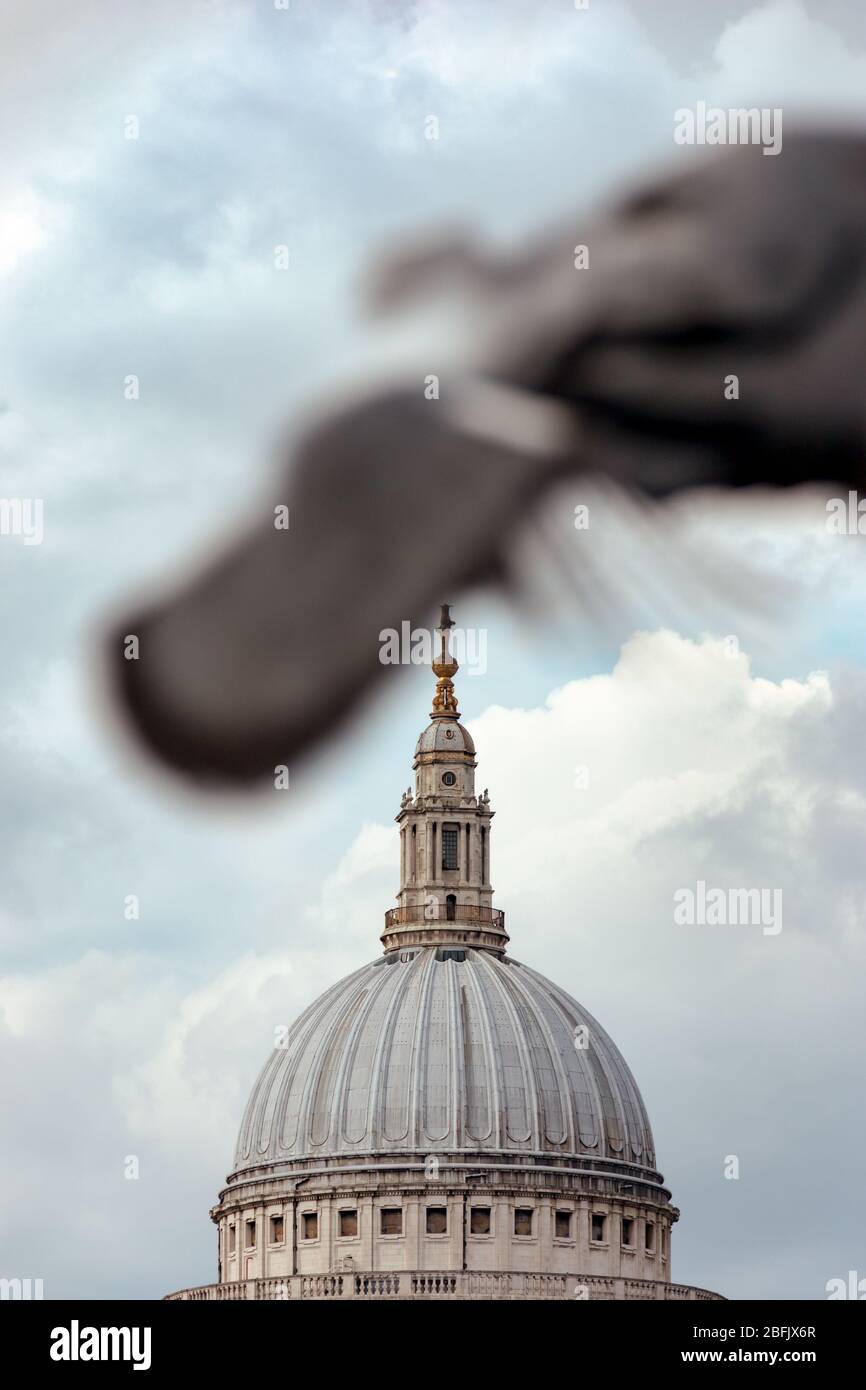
<point x="846" y="516"/>
<point x="24" y="1289"/>
<point x="739" y="125"/>
<point x="853" y="1287"/>
<point x="77" y="1343"/>
<point x="729" y="907"/>
<point x="416" y="647"/>
<point x="22" y="516"/>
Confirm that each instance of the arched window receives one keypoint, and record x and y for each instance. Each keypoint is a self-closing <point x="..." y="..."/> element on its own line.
<point x="451" y="907"/>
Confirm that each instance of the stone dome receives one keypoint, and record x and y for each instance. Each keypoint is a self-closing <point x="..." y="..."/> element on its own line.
<point x="445" y="1050"/>
<point x="445" y="736"/>
<point x="445" y="1122"/>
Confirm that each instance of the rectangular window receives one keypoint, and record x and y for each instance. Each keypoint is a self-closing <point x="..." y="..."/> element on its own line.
<point x="523" y="1222"/>
<point x="650" y="1238"/>
<point x="276" y="1230"/>
<point x="231" y="1240"/>
<point x="627" y="1230"/>
<point x="450" y="835"/>
<point x="250" y="1235"/>
<point x="348" y="1222"/>
<point x="310" y="1225"/>
<point x="392" y="1221"/>
<point x="437" y="1221"/>
<point x="563" y="1225"/>
<point x="598" y="1225"/>
<point x="479" y="1221"/>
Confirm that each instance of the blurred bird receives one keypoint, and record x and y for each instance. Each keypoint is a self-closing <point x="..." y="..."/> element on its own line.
<point x="615" y="360"/>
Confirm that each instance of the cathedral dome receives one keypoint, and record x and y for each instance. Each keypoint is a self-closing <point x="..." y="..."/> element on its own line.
<point x="445" y="736"/>
<point x="445" y="1122"/>
<point x="446" y="1050"/>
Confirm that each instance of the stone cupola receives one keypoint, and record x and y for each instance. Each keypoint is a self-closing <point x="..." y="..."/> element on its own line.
<point x="445" y="896"/>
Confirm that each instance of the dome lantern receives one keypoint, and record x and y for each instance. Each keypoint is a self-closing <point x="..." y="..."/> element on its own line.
<point x="445" y="896"/>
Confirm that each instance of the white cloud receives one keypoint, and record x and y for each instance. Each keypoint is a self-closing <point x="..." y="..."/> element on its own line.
<point x="786" y="54"/>
<point x="506" y="48"/>
<point x="643" y="736"/>
<point x="27" y="224"/>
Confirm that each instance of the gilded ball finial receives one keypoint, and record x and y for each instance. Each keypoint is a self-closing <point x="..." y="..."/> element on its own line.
<point x="444" y="668"/>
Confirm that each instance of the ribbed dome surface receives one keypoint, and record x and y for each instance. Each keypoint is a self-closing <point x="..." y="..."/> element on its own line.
<point x="445" y="736"/>
<point x="427" y="1055"/>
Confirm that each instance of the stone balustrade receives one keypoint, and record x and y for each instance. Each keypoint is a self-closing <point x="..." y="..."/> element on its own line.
<point x="421" y="1284"/>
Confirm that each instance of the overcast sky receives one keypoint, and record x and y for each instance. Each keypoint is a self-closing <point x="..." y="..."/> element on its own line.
<point x="740" y="763"/>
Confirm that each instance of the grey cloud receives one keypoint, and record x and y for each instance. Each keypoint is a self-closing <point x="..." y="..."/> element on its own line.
<point x="731" y="1049"/>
